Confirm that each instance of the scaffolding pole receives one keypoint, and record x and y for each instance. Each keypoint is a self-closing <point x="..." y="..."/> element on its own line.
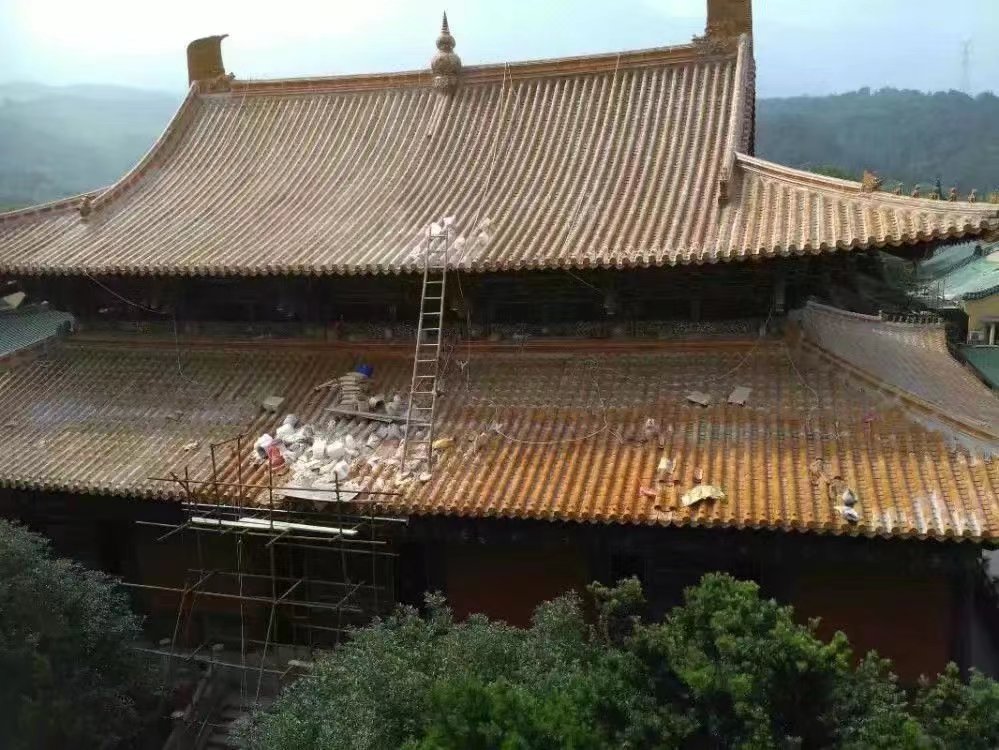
<point x="336" y="564"/>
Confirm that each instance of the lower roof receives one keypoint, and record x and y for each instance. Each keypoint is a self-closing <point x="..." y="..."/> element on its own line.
<point x="911" y="358"/>
<point x="28" y="326"/>
<point x="555" y="432"/>
<point x="973" y="271"/>
<point x="985" y="360"/>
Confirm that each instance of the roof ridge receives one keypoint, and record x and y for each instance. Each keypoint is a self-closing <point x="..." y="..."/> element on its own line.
<point x="737" y="116"/>
<point x="601" y="62"/>
<point x="981" y="293"/>
<point x="933" y="321"/>
<point x="102" y="196"/>
<point x="60" y="204"/>
<point x="766" y="167"/>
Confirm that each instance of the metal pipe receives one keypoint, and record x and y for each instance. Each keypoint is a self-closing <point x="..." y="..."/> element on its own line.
<point x="277" y="488"/>
<point x="257" y="599"/>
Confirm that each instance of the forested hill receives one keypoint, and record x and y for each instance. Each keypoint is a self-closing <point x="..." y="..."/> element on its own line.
<point x="901" y="135"/>
<point x="56" y="142"/>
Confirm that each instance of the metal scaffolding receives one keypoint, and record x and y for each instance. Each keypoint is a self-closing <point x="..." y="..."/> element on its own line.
<point x="311" y="574"/>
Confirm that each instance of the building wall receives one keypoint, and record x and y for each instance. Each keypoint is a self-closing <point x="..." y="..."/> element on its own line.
<point x="981" y="311"/>
<point x="506" y="582"/>
<point x="910" y="618"/>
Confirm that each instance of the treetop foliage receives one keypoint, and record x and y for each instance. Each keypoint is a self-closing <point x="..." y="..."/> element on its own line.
<point x="69" y="678"/>
<point x="727" y="669"/>
<point x="905" y="136"/>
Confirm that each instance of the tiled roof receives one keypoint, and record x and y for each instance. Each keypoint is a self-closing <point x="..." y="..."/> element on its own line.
<point x="912" y="357"/>
<point x="984" y="292"/>
<point x="784" y="211"/>
<point x="985" y="359"/>
<point x="966" y="271"/>
<point x="614" y="160"/>
<point x="597" y="160"/>
<point x="25" y="327"/>
<point x="947" y="259"/>
<point x="570" y="443"/>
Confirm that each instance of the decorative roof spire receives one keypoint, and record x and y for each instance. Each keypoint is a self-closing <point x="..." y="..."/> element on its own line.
<point x="445" y="65"/>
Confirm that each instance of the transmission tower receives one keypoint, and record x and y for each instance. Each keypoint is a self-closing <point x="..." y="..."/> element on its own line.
<point x="966" y="66"/>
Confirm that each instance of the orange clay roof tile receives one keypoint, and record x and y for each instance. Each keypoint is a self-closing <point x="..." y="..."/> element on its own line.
<point x="911" y="358"/>
<point x="635" y="159"/>
<point x="573" y="441"/>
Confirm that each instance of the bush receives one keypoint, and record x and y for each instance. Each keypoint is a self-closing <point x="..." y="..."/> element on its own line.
<point x="69" y="678"/>
<point x="725" y="670"/>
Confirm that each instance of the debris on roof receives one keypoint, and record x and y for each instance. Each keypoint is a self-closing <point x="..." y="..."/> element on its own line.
<point x="443" y="444"/>
<point x="739" y="395"/>
<point x="701" y="492"/>
<point x="261" y="445"/>
<point x="700" y="398"/>
<point x="840" y="491"/>
<point x="12" y="301"/>
<point x="768" y="457"/>
<point x="664" y="471"/>
<point x="272" y="403"/>
<point x="850" y="514"/>
<point x="651" y="431"/>
<point x="193" y="445"/>
<point x="354" y="390"/>
<point x="326" y="384"/>
<point x="376" y="416"/>
<point x="817" y="471"/>
<point x="287" y="428"/>
<point x="274" y="455"/>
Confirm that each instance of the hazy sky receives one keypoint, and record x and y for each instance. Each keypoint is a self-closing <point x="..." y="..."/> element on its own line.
<point x="802" y="46"/>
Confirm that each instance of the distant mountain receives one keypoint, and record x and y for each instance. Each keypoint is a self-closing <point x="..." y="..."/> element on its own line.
<point x="56" y="142"/>
<point x="902" y="135"/>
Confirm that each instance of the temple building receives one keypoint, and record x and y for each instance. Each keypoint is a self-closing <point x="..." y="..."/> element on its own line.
<point x="961" y="283"/>
<point x="642" y="355"/>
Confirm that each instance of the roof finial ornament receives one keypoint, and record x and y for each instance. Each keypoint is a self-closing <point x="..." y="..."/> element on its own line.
<point x="445" y="65"/>
<point x="871" y="182"/>
<point x="86" y="207"/>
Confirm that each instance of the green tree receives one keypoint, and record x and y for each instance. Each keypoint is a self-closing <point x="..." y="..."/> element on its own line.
<point x="958" y="714"/>
<point x="69" y="678"/>
<point x="905" y="136"/>
<point x="728" y="669"/>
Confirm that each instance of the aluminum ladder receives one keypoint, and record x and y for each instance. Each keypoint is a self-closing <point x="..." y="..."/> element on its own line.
<point x="427" y="356"/>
